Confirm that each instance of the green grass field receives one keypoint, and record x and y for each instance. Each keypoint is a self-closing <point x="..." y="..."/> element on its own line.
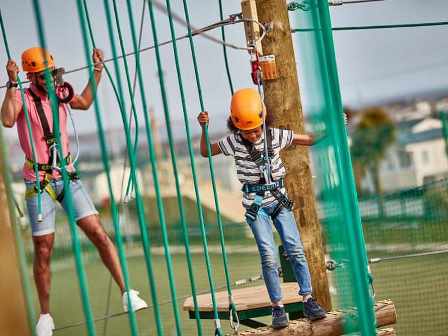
<point x="66" y="305"/>
<point x="417" y="286"/>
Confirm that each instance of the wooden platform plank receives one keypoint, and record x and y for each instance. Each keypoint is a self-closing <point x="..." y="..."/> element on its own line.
<point x="331" y="325"/>
<point x="244" y="298"/>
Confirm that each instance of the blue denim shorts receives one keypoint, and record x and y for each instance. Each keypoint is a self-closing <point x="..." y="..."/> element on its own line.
<point x="82" y="206"/>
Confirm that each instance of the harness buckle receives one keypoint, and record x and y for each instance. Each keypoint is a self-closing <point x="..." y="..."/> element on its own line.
<point x="50" y="140"/>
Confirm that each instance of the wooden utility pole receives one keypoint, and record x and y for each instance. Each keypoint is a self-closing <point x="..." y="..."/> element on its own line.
<point x="282" y="101"/>
<point x="13" y="314"/>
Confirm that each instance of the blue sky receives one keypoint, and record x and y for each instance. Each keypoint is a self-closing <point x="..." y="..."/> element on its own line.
<point x="373" y="65"/>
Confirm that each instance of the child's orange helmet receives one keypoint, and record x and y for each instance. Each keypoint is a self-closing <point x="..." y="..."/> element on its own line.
<point x="247" y="109"/>
<point x="36" y="59"/>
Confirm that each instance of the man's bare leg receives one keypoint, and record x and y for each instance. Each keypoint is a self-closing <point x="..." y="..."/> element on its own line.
<point x="92" y="227"/>
<point x="43" y="249"/>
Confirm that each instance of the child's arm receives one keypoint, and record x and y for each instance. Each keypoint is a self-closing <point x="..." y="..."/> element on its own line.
<point x="203" y="121"/>
<point x="303" y="139"/>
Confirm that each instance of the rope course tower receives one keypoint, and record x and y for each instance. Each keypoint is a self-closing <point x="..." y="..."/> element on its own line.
<point x="271" y="64"/>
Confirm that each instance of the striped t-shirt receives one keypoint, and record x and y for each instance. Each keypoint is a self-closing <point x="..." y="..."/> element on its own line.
<point x="247" y="171"/>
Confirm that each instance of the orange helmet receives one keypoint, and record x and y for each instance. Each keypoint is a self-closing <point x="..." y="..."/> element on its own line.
<point x="247" y="109"/>
<point x="36" y="59"/>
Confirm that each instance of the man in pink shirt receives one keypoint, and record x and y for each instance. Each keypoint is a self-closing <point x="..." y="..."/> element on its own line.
<point x="35" y="61"/>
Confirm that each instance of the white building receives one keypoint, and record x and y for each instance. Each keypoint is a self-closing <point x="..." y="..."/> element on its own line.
<point x="418" y="156"/>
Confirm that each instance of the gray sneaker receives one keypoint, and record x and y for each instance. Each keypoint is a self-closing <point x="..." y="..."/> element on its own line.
<point x="313" y="311"/>
<point x="279" y="318"/>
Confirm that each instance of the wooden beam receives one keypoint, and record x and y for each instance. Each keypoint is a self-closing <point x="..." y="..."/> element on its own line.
<point x="244" y="298"/>
<point x="331" y="325"/>
<point x="14" y="320"/>
<point x="284" y="109"/>
<point x="249" y="11"/>
<point x="386" y="332"/>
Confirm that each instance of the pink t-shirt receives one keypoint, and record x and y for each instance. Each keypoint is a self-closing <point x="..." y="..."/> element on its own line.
<point x="41" y="147"/>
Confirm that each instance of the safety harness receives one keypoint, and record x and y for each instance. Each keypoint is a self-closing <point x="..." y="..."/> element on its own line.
<point x="266" y="182"/>
<point x="53" y="161"/>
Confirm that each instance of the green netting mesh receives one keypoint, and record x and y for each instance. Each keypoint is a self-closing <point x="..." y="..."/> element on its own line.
<point x="334" y="179"/>
<point x="404" y="229"/>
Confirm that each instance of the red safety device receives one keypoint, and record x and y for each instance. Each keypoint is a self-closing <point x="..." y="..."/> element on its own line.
<point x="256" y="68"/>
<point x="64" y="92"/>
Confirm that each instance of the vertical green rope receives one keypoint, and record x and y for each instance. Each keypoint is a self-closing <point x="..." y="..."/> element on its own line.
<point x="224" y="49"/>
<point x="92" y="39"/>
<point x="166" y="112"/>
<point x="28" y="122"/>
<point x="132" y="159"/>
<point x="20" y="249"/>
<point x="129" y="85"/>
<point x="7" y="181"/>
<point x="154" y="167"/>
<point x="131" y="115"/>
<point x="133" y="112"/>
<point x="193" y="168"/>
<point x="210" y="161"/>
<point x="68" y="197"/>
<point x="105" y="159"/>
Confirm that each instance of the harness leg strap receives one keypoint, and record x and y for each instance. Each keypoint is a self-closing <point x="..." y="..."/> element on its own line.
<point x="252" y="211"/>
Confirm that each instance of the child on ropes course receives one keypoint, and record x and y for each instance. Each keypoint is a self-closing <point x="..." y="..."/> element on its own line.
<point x="35" y="62"/>
<point x="264" y="194"/>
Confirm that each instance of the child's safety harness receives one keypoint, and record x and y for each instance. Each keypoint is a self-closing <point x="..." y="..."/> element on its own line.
<point x="266" y="182"/>
<point x="53" y="161"/>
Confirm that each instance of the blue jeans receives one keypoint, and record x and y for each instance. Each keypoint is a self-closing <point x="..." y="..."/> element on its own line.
<point x="285" y="225"/>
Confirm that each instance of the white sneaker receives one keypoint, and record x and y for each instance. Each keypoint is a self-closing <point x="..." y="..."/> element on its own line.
<point x="45" y="325"/>
<point x="137" y="303"/>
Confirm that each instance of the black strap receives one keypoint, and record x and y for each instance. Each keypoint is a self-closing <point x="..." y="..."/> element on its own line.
<point x="48" y="135"/>
<point x="48" y="168"/>
<point x="73" y="176"/>
<point x="43" y="185"/>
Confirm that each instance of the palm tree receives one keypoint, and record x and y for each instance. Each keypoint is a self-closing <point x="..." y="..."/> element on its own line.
<point x="373" y="135"/>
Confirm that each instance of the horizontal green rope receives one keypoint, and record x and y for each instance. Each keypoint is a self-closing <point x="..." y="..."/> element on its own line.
<point x="393" y="26"/>
<point x="194" y="32"/>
